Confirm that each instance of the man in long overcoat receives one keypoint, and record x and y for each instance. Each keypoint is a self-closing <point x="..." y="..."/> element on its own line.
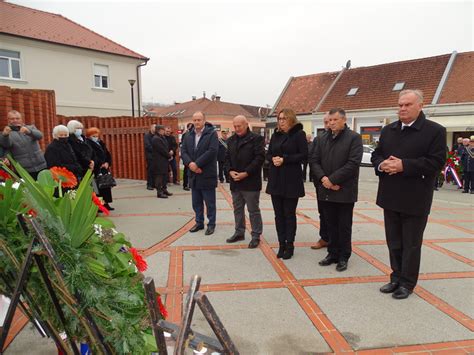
<point x="159" y="162"/>
<point x="410" y="154"/>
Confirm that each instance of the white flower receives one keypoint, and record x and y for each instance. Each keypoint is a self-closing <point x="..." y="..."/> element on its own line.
<point x="98" y="230"/>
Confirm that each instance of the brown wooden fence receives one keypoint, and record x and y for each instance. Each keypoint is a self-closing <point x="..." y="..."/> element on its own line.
<point x="122" y="135"/>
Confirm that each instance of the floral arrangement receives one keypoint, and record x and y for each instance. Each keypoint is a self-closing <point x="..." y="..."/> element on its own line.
<point x="453" y="169"/>
<point x="99" y="264"/>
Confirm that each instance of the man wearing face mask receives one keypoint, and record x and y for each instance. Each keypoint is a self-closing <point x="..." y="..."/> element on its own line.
<point x="21" y="141"/>
<point x="84" y="153"/>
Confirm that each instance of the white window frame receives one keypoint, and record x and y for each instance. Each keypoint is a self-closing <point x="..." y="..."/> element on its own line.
<point x="10" y="59"/>
<point x="352" y="91"/>
<point x="100" y="76"/>
<point x="399" y="85"/>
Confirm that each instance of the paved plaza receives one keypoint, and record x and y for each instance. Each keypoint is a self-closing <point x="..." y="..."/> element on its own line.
<point x="274" y="306"/>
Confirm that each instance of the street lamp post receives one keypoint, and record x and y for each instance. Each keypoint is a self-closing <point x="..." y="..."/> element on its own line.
<point x="132" y="82"/>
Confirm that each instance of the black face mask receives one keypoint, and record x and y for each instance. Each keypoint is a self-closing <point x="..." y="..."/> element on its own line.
<point x="63" y="139"/>
<point x="15" y="128"/>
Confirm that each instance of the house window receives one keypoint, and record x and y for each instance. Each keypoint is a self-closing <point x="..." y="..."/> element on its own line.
<point x="398" y="86"/>
<point x="352" y="91"/>
<point x="10" y="64"/>
<point x="101" y="76"/>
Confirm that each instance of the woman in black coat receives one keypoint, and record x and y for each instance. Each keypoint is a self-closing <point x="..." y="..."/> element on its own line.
<point x="59" y="152"/>
<point x="102" y="162"/>
<point x="287" y="150"/>
<point x="159" y="162"/>
<point x="84" y="153"/>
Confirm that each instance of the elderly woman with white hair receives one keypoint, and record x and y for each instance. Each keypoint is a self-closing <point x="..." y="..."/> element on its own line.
<point x="59" y="152"/>
<point x="84" y="153"/>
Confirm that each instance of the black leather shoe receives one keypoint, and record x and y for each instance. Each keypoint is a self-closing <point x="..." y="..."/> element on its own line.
<point x="254" y="243"/>
<point x="162" y="195"/>
<point x="150" y="188"/>
<point x="281" y="250"/>
<point x="210" y="230"/>
<point x="186" y="188"/>
<point x="328" y="260"/>
<point x="389" y="288"/>
<point x="167" y="193"/>
<point x="401" y="293"/>
<point x="341" y="265"/>
<point x="196" y="227"/>
<point x="235" y="238"/>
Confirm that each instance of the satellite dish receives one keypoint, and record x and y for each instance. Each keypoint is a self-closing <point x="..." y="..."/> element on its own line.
<point x="348" y="64"/>
<point x="213" y="97"/>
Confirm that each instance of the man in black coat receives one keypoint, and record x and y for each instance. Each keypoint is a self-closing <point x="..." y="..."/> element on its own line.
<point x="335" y="164"/>
<point x="189" y="126"/>
<point x="410" y="154"/>
<point x="244" y="159"/>
<point x="221" y="156"/>
<point x="148" y="152"/>
<point x="199" y="154"/>
<point x="159" y="162"/>
<point x="173" y="147"/>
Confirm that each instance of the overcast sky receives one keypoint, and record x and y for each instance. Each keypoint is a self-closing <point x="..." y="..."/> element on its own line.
<point x="245" y="51"/>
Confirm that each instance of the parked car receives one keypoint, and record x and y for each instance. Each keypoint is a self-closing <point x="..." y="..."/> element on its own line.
<point x="367" y="155"/>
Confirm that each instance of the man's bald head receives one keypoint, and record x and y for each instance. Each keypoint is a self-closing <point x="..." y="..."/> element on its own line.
<point x="199" y="119"/>
<point x="241" y="124"/>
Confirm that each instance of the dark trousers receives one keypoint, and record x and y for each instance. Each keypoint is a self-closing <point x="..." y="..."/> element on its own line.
<point x="338" y="217"/>
<point x="185" y="176"/>
<point x="106" y="194"/>
<point x="199" y="197"/>
<point x="149" y="175"/>
<point x="404" y="234"/>
<point x="160" y="182"/>
<point x="305" y="170"/>
<point x="285" y="218"/>
<point x="251" y="199"/>
<point x="469" y="181"/>
<point x="172" y="167"/>
<point x="222" y="172"/>
<point x="323" y="228"/>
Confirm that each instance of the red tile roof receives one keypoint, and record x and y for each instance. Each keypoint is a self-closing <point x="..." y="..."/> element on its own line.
<point x="460" y="84"/>
<point x="304" y="92"/>
<point x="209" y="107"/>
<point x="375" y="83"/>
<point x="44" y="26"/>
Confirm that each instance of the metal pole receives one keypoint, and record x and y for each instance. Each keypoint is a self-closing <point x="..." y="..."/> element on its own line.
<point x="133" y="104"/>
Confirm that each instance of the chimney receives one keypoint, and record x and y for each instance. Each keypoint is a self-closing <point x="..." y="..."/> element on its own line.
<point x="204" y="94"/>
<point x="218" y="98"/>
<point x="194" y="98"/>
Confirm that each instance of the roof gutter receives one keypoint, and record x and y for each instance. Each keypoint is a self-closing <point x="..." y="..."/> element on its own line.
<point x="329" y="90"/>
<point x="444" y="78"/>
<point x="139" y="101"/>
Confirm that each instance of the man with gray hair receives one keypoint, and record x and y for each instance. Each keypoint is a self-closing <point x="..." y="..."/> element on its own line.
<point x="21" y="141"/>
<point x="410" y="154"/>
<point x="244" y="159"/>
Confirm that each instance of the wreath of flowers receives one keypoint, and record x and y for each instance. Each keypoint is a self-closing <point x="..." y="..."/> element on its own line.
<point x="99" y="263"/>
<point x="454" y="162"/>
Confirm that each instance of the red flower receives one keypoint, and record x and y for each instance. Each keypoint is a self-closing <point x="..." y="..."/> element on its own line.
<point x="32" y="213"/>
<point x="99" y="204"/>
<point x="138" y="259"/>
<point x="163" y="310"/>
<point x="64" y="176"/>
<point x="4" y="175"/>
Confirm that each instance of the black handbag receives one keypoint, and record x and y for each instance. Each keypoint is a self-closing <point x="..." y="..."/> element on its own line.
<point x="106" y="180"/>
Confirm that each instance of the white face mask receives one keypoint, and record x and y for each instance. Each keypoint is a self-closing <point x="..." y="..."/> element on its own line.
<point x="78" y="132"/>
<point x="95" y="139"/>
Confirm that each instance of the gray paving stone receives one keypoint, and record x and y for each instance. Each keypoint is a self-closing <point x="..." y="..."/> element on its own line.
<point x="456" y="292"/>
<point x="221" y="233"/>
<point x="377" y="214"/>
<point x="29" y="341"/>
<point x="367" y="231"/>
<point x="465" y="249"/>
<point x="314" y="215"/>
<point x="146" y="231"/>
<point x="468" y="225"/>
<point x="180" y="203"/>
<point x="158" y="268"/>
<point x="267" y="321"/>
<point x="436" y="231"/>
<point x="432" y="261"/>
<point x="222" y="203"/>
<point x="304" y="233"/>
<point x="371" y="319"/>
<point x="304" y="265"/>
<point x="228" y="266"/>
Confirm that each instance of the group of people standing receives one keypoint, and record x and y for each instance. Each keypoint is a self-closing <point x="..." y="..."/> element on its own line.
<point x="410" y="154"/>
<point x="465" y="152"/>
<point x="70" y="149"/>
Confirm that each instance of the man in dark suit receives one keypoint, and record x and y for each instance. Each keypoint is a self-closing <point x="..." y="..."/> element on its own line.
<point x="173" y="147"/>
<point x="147" y="142"/>
<point x="410" y="154"/>
<point x="244" y="160"/>
<point x="335" y="164"/>
<point x="159" y="162"/>
<point x="199" y="153"/>
<point x="221" y="153"/>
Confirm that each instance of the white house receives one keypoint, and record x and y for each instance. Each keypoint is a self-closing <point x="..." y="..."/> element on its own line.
<point x="89" y="73"/>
